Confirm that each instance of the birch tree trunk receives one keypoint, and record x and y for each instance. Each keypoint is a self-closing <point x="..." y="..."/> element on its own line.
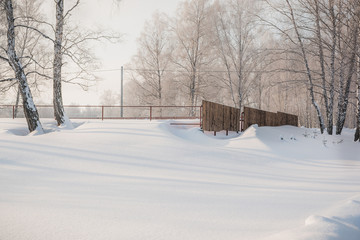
<point x="192" y="91"/>
<point x="322" y="67"/>
<point x="17" y="101"/>
<point x="344" y="93"/>
<point x="57" y="65"/>
<point x="328" y="98"/>
<point x="357" y="131"/>
<point x="332" y="67"/>
<point x="308" y="71"/>
<point x="30" y="111"/>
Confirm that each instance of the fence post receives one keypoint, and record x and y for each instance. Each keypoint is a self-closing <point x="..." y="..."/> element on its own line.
<point x="150" y="112"/>
<point x="102" y="113"/>
<point x="242" y="121"/>
<point x="13" y="112"/>
<point x="200" y="117"/>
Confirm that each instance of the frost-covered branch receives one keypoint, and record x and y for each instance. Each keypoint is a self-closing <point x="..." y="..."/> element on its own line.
<point x="39" y="22"/>
<point x="71" y="9"/>
<point x="36" y="30"/>
<point x="38" y="73"/>
<point x="8" y="79"/>
<point x="4" y="58"/>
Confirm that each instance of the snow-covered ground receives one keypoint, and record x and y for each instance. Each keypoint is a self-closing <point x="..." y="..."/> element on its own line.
<point x="152" y="180"/>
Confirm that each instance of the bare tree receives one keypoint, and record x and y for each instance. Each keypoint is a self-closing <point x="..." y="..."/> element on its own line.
<point x="349" y="54"/>
<point x="69" y="43"/>
<point x="30" y="49"/>
<point x="309" y="74"/>
<point x="235" y="29"/>
<point x="194" y="45"/>
<point x="325" y="33"/>
<point x="326" y="22"/>
<point x="59" y="112"/>
<point x="30" y="111"/>
<point x="153" y="59"/>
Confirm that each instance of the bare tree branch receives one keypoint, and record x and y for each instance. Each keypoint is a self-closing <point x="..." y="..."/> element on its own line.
<point x="8" y="79"/>
<point x="36" y="30"/>
<point x="71" y="9"/>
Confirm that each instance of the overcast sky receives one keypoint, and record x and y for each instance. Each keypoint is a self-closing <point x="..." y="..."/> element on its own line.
<point x="127" y="18"/>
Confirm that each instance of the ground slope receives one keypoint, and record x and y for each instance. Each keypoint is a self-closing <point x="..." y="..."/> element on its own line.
<point x="151" y="180"/>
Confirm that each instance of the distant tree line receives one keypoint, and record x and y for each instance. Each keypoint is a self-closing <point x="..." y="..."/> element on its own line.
<point x="297" y="56"/>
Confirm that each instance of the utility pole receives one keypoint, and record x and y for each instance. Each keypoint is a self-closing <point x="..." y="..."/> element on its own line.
<point x="122" y="92"/>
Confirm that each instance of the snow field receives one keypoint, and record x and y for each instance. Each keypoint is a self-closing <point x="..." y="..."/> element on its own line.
<point x="152" y="180"/>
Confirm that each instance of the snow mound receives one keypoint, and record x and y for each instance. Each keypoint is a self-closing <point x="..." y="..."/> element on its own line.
<point x="193" y="134"/>
<point x="67" y="124"/>
<point x="17" y="131"/>
<point x="18" y="127"/>
<point x="341" y="222"/>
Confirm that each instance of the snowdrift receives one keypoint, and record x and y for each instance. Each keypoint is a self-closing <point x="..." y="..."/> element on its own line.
<point x="152" y="180"/>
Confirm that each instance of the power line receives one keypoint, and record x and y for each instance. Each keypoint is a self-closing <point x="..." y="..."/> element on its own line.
<point x="184" y="71"/>
<point x="171" y="70"/>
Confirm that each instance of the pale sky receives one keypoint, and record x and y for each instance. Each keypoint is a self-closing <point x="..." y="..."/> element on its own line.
<point x="127" y="18"/>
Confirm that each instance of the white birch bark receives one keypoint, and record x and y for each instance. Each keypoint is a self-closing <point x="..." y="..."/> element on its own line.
<point x="30" y="111"/>
<point x="17" y="101"/>
<point x="57" y="65"/>
<point x="308" y="71"/>
<point x="357" y="131"/>
<point x="345" y="90"/>
<point x="329" y="110"/>
<point x="332" y="67"/>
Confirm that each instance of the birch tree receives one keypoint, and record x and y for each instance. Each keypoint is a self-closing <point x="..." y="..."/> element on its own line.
<point x="304" y="54"/>
<point x="71" y="42"/>
<point x="30" y="110"/>
<point x="59" y="112"/>
<point x="234" y="27"/>
<point x="30" y="49"/>
<point x="191" y="29"/>
<point x="153" y="60"/>
<point x="326" y="34"/>
<point x="326" y="21"/>
<point x="348" y="59"/>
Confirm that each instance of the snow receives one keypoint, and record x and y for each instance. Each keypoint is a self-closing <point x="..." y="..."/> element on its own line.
<point x="67" y="124"/>
<point x="152" y="180"/>
<point x="343" y="223"/>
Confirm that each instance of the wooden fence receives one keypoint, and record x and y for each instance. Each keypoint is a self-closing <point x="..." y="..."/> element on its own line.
<point x="217" y="117"/>
<point x="264" y="118"/>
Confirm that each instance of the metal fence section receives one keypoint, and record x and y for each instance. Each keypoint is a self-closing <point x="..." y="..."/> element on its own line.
<point x="110" y="112"/>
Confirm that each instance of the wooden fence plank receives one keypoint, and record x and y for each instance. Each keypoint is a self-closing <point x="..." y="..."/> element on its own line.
<point x="264" y="118"/>
<point x="217" y="117"/>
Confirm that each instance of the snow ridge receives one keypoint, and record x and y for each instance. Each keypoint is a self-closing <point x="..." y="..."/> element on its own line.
<point x="339" y="223"/>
